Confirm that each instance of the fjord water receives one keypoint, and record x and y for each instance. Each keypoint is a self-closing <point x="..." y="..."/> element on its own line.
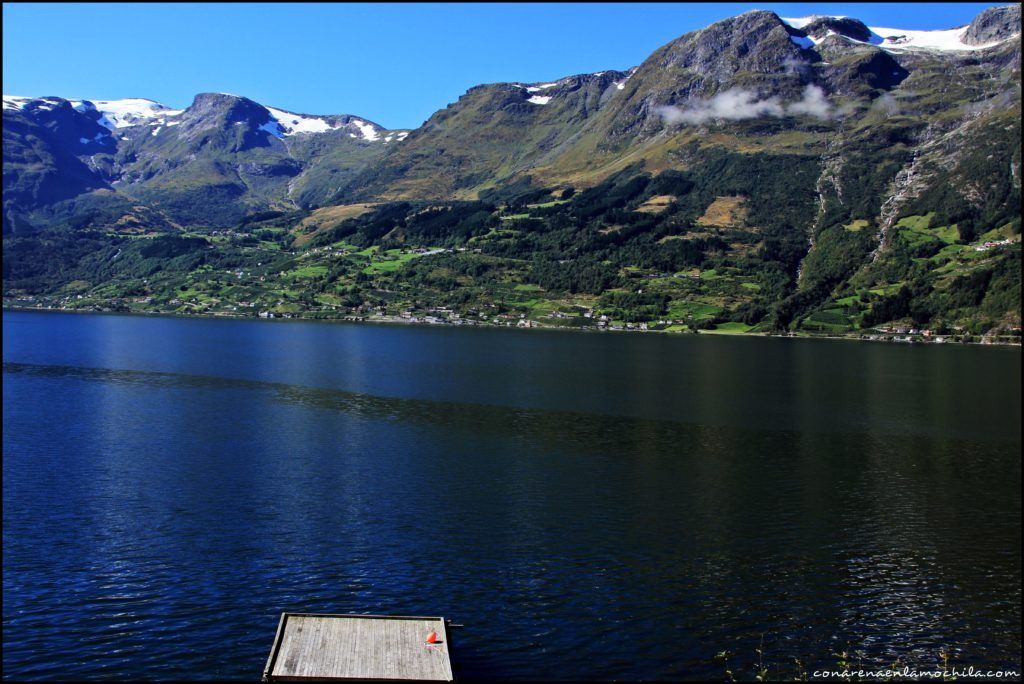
<point x="587" y="505"/>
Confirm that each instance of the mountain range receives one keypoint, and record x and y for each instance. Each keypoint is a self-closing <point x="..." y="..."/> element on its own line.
<point x="819" y="156"/>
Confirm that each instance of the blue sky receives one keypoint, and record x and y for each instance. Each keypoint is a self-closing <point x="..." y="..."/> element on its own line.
<point x="392" y="63"/>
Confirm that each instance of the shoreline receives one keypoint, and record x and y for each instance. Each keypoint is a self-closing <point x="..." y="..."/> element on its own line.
<point x="487" y="325"/>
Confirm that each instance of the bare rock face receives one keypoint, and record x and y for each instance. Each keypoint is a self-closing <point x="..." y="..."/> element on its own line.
<point x="844" y="26"/>
<point x="755" y="41"/>
<point x="748" y="51"/>
<point x="993" y="24"/>
<point x="218" y="110"/>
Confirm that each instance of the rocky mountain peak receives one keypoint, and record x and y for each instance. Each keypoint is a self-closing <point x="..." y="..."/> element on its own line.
<point x="735" y="75"/>
<point x="223" y="108"/>
<point x="820" y="27"/>
<point x="752" y="42"/>
<point x="993" y="24"/>
<point x="63" y="123"/>
<point x="234" y="120"/>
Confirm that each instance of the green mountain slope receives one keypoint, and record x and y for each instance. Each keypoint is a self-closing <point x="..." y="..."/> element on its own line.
<point x="811" y="176"/>
<point x="222" y="158"/>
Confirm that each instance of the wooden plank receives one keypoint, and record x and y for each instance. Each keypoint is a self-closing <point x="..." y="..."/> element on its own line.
<point x="277" y="644"/>
<point x="340" y="647"/>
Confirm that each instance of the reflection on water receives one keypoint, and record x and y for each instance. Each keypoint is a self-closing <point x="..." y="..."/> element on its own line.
<point x="591" y="506"/>
<point x="750" y="383"/>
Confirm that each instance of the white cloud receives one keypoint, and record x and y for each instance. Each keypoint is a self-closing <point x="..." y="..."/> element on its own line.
<point x="730" y="105"/>
<point x="794" y="65"/>
<point x="813" y="103"/>
<point x="886" y="104"/>
<point x="737" y="104"/>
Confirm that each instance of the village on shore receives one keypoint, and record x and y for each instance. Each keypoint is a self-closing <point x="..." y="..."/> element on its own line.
<point x="587" y="321"/>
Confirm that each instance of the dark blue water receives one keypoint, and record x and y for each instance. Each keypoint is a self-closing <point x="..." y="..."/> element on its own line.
<point x="587" y="505"/>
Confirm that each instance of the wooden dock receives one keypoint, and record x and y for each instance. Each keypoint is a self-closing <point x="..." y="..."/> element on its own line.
<point x="325" y="647"/>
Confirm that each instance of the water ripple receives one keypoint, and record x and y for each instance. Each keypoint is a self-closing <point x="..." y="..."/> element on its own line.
<point x="161" y="530"/>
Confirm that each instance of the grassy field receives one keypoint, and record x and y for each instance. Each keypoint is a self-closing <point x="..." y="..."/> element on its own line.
<point x="730" y="328"/>
<point x="656" y="204"/>
<point x="828" y="320"/>
<point x="917" y="230"/>
<point x="308" y="272"/>
<point x="691" y="309"/>
<point x="726" y="211"/>
<point x="390" y="261"/>
<point x="324" y="219"/>
<point x="544" y="205"/>
<point x="1001" y="233"/>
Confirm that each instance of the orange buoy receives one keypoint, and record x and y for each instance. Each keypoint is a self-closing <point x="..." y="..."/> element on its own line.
<point x="432" y="638"/>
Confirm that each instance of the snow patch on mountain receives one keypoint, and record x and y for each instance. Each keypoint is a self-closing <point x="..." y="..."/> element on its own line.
<point x="800" y="22"/>
<point x="290" y="123"/>
<point x="128" y="112"/>
<point x="368" y="130"/>
<point x="113" y="113"/>
<point x="619" y="85"/>
<point x="283" y="124"/>
<point x="16" y="102"/>
<point x="397" y="136"/>
<point x="539" y="99"/>
<point x="901" y="39"/>
<point x="45" y="104"/>
<point x="892" y="38"/>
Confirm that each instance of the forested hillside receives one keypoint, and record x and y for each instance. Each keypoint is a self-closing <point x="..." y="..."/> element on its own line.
<point x="809" y="176"/>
